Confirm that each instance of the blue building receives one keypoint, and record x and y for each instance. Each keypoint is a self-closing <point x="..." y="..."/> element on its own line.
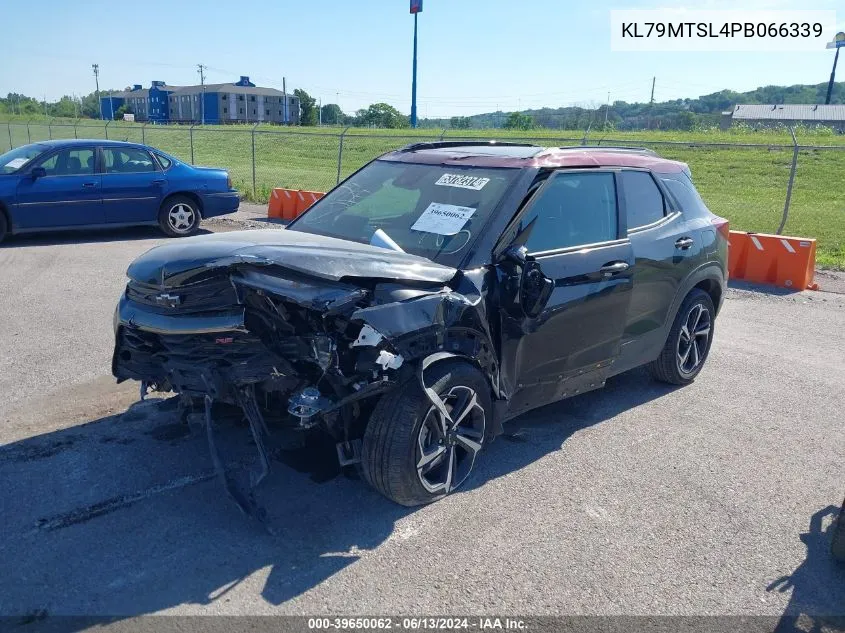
<point x="237" y="102"/>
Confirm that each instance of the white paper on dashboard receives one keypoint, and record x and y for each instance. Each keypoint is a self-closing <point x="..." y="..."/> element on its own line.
<point x="443" y="219"/>
<point x="15" y="163"/>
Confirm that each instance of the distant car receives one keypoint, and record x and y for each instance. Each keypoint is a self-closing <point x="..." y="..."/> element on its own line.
<point x="436" y="293"/>
<point x="72" y="184"/>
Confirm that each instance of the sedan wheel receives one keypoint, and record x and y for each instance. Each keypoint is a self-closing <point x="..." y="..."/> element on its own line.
<point x="179" y="216"/>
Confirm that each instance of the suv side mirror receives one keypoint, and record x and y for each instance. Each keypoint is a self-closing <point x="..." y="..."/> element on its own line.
<point x="535" y="289"/>
<point x="515" y="254"/>
<point x="38" y="172"/>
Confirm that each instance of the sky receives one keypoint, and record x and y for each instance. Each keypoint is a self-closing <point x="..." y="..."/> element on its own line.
<point x="474" y="55"/>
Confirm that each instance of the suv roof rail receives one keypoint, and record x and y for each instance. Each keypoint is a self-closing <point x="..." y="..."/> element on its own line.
<point x="613" y="148"/>
<point x="443" y="144"/>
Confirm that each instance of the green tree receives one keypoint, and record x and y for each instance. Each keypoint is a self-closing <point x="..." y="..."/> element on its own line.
<point x="332" y="114"/>
<point x="124" y="109"/>
<point x="519" y="121"/>
<point x="307" y="107"/>
<point x="382" y="115"/>
<point x="686" y="121"/>
<point x="460" y="122"/>
<point x="66" y="108"/>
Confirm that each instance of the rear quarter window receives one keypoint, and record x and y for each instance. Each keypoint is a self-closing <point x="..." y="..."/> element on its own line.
<point x="682" y="189"/>
<point x="643" y="200"/>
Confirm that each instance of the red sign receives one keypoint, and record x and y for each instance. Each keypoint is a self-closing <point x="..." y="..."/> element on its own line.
<point x="416" y="6"/>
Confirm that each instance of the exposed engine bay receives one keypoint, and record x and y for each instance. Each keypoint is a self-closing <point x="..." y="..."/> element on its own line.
<point x="297" y="337"/>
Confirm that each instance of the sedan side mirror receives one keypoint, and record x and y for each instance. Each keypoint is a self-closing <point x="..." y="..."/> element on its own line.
<point x="38" y="172"/>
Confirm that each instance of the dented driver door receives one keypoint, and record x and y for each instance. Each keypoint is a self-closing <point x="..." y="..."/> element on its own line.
<point x="579" y="243"/>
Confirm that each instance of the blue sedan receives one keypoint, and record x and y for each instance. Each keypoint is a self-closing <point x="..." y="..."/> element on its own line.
<point x="73" y="184"/>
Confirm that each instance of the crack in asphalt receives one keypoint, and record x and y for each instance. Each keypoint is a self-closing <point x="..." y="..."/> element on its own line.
<point x="86" y="513"/>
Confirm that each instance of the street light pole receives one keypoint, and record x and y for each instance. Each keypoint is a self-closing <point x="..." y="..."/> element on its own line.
<point x="837" y="43"/>
<point x="414" y="80"/>
<point x="416" y="7"/>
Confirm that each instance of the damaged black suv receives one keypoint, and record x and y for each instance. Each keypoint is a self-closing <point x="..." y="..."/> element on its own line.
<point x="437" y="292"/>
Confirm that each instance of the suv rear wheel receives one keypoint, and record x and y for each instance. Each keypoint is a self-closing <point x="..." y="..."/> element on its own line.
<point x="689" y="341"/>
<point x="416" y="452"/>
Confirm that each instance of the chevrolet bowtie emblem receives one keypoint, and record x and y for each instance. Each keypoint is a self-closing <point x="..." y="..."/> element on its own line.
<point x="165" y="299"/>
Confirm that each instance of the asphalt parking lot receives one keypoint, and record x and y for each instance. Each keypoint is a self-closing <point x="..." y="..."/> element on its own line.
<point x="637" y="499"/>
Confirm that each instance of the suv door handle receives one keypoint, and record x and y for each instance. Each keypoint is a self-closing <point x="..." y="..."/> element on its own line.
<point x="684" y="243"/>
<point x="608" y="270"/>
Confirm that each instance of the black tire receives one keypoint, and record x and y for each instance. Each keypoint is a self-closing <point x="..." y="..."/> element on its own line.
<point x="179" y="216"/>
<point x="394" y="438"/>
<point x="4" y="229"/>
<point x="670" y="366"/>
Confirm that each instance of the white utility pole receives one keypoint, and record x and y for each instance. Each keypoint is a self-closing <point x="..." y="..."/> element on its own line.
<point x="96" y="68"/>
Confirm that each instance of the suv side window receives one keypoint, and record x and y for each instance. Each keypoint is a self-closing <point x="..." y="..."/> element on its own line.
<point x="643" y="201"/>
<point x="573" y="209"/>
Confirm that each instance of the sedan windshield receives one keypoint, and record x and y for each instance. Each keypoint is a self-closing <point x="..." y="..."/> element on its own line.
<point x="428" y="210"/>
<point x="12" y="161"/>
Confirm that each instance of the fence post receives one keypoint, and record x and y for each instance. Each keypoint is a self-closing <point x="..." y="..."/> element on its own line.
<point x="791" y="181"/>
<point x="143" y="134"/>
<point x="340" y="153"/>
<point x="586" y="133"/>
<point x="75" y="123"/>
<point x="106" y="129"/>
<point x="11" y="145"/>
<point x="443" y="134"/>
<point x="191" y="137"/>
<point x="254" y="189"/>
<point x="28" y="135"/>
<point x="49" y="130"/>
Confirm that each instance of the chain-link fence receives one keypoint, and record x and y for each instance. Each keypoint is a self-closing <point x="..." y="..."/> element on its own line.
<point x="745" y="182"/>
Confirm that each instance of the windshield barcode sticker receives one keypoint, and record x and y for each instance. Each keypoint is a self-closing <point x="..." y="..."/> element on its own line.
<point x="443" y="219"/>
<point x="464" y="182"/>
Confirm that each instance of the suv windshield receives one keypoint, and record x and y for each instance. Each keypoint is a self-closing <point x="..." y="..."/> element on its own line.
<point x="13" y="160"/>
<point x="428" y="210"/>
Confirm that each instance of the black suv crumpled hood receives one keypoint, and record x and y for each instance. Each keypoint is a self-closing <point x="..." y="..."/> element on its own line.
<point x="328" y="258"/>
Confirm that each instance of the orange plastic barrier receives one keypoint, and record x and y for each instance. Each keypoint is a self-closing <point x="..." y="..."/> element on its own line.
<point x="305" y="199"/>
<point x="282" y="204"/>
<point x="788" y="262"/>
<point x="286" y="204"/>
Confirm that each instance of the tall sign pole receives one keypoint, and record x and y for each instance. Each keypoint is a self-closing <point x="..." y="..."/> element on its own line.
<point x="416" y="8"/>
<point x="837" y="43"/>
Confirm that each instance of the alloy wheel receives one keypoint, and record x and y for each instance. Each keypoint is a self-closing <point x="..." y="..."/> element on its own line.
<point x="181" y="217"/>
<point x="450" y="437"/>
<point x="694" y="339"/>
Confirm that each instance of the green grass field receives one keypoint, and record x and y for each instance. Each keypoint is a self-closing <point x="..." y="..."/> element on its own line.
<point x="747" y="185"/>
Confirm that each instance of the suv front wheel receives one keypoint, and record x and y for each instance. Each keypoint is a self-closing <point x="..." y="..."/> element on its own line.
<point x="689" y="341"/>
<point x="415" y="451"/>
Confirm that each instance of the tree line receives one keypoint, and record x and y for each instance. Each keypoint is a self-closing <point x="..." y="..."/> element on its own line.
<point x="676" y="114"/>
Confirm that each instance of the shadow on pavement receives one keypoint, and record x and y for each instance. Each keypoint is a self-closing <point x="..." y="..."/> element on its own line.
<point x="87" y="236"/>
<point x="817" y="602"/>
<point x="122" y="516"/>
